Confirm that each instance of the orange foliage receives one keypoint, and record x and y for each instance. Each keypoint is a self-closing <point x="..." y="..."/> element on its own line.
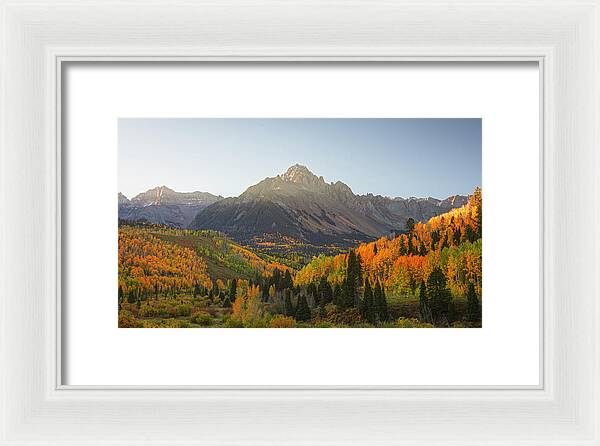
<point x="148" y="264"/>
<point x="451" y="240"/>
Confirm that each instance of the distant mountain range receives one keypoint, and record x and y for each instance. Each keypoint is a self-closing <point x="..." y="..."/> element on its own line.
<point x="300" y="205"/>
<point x="296" y="204"/>
<point x="164" y="206"/>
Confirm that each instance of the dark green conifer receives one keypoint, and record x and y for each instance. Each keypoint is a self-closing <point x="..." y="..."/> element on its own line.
<point x="311" y="291"/>
<point x="232" y="289"/>
<point x="424" y="309"/>
<point x="288" y="283"/>
<point x="325" y="292"/>
<point x="338" y="298"/>
<point x="439" y="296"/>
<point x="402" y="247"/>
<point x="380" y="303"/>
<point x="473" y="307"/>
<point x="367" y="309"/>
<point x="351" y="282"/>
<point x="302" y="310"/>
<point x="288" y="308"/>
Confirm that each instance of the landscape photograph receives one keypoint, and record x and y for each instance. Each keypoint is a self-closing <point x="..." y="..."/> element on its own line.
<point x="299" y="223"/>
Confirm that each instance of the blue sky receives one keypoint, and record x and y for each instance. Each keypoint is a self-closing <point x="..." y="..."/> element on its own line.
<point x="394" y="157"/>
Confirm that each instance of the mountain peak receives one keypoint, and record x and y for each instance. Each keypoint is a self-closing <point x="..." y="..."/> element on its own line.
<point x="299" y="174"/>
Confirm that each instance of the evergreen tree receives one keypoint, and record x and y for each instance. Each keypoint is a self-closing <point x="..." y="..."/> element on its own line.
<point x="215" y="290"/>
<point x="457" y="236"/>
<point x="358" y="273"/>
<point x="325" y="292"/>
<point x="338" y="298"/>
<point x="475" y="202"/>
<point x="409" y="249"/>
<point x="470" y="234"/>
<point x="121" y="296"/>
<point x="226" y="302"/>
<point x="424" y="309"/>
<point x="302" y="310"/>
<point x="380" y="303"/>
<point x="265" y="291"/>
<point x="276" y="279"/>
<point x="232" y="289"/>
<point x="452" y="313"/>
<point x="367" y="309"/>
<point x="422" y="249"/>
<point x="435" y="238"/>
<point x="351" y="283"/>
<point x="288" y="308"/>
<point x="445" y="241"/>
<point x="311" y="291"/>
<point x="439" y="296"/>
<point x="473" y="308"/>
<point x="410" y="224"/>
<point x="402" y="247"/>
<point x="131" y="296"/>
<point x="374" y="249"/>
<point x="288" y="283"/>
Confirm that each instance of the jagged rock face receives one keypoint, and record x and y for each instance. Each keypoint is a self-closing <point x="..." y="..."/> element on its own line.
<point x="123" y="199"/>
<point x="302" y="205"/>
<point x="164" y="206"/>
<point x="164" y="195"/>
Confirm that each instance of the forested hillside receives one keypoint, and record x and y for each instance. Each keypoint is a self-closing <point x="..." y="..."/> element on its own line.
<point x="428" y="276"/>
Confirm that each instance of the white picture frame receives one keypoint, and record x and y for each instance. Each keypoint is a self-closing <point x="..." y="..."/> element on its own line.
<point x="38" y="36"/>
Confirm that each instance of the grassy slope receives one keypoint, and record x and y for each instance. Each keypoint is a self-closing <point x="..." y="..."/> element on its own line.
<point x="224" y="258"/>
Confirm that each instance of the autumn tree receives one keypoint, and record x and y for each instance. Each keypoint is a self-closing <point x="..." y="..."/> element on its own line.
<point x="248" y="308"/>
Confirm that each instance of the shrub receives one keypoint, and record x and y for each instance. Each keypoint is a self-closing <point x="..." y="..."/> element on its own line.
<point x="231" y="322"/>
<point x="162" y="323"/>
<point x="184" y="310"/>
<point x="323" y="324"/>
<point x="282" y="322"/>
<point x="411" y="323"/>
<point x="127" y="320"/>
<point x="201" y="318"/>
<point x="335" y="317"/>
